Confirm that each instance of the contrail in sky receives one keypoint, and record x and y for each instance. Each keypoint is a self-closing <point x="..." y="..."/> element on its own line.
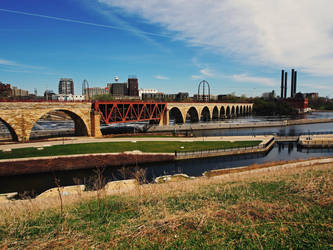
<point x="81" y="22"/>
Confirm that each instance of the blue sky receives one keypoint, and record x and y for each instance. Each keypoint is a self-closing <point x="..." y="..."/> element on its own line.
<point x="170" y="45"/>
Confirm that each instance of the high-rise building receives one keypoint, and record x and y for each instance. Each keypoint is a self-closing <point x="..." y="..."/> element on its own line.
<point x="133" y="86"/>
<point x="66" y="86"/>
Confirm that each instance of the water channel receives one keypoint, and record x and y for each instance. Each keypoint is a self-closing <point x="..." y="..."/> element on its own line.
<point x="37" y="183"/>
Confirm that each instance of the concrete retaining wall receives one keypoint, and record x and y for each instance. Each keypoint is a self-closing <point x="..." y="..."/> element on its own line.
<point x="72" y="162"/>
<point x="262" y="148"/>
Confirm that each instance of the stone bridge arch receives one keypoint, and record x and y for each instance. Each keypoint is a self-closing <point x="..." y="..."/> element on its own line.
<point x="215" y="113"/>
<point x="176" y="115"/>
<point x="205" y="114"/>
<point x="81" y="124"/>
<point x="233" y="110"/>
<point x="192" y="114"/>
<point x="11" y="128"/>
<point x="223" y="113"/>
<point x="228" y="111"/>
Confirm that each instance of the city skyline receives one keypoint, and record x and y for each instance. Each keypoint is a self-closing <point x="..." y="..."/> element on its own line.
<point x="170" y="46"/>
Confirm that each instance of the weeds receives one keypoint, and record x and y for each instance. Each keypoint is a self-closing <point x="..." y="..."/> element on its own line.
<point x="289" y="208"/>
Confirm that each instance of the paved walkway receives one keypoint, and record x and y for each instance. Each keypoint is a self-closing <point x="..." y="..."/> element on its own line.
<point x="77" y="140"/>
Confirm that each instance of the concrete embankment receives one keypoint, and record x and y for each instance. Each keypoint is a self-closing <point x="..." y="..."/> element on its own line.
<point x="225" y="125"/>
<point x="316" y="141"/>
<point x="73" y="162"/>
<point x="85" y="161"/>
<point x="263" y="147"/>
<point x="118" y="187"/>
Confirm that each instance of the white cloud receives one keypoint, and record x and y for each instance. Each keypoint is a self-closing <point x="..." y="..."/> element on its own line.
<point x="12" y="64"/>
<point x="279" y="33"/>
<point x="207" y="72"/>
<point x="196" y="77"/>
<point x="7" y="62"/>
<point x="254" y="79"/>
<point x="159" y="77"/>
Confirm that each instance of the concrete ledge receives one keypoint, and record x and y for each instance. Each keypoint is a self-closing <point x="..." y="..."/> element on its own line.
<point x="206" y="154"/>
<point x="316" y="141"/>
<point x="232" y="171"/>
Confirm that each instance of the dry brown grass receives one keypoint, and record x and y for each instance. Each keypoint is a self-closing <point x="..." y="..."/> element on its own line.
<point x="29" y="207"/>
<point x="158" y="223"/>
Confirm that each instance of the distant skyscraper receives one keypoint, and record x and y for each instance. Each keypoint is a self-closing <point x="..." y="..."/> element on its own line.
<point x="66" y="86"/>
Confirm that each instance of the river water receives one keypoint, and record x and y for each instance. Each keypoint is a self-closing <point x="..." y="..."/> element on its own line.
<point x="37" y="183"/>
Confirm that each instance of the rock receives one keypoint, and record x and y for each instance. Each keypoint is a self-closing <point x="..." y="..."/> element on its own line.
<point x="172" y="178"/>
<point x="64" y="191"/>
<point x="120" y="185"/>
<point x="7" y="196"/>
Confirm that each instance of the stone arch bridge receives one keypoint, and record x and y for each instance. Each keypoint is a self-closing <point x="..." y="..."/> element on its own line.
<point x="20" y="117"/>
<point x="194" y="112"/>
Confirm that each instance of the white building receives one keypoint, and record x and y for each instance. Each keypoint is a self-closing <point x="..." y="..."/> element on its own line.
<point x="146" y="91"/>
<point x="68" y="98"/>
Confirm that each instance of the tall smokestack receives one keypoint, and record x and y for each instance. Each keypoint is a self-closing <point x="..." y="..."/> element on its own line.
<point x="295" y="80"/>
<point x="285" y="84"/>
<point x="292" y="83"/>
<point x="282" y="83"/>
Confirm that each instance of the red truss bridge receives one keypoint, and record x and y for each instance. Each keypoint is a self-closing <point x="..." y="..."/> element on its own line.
<point x="134" y="111"/>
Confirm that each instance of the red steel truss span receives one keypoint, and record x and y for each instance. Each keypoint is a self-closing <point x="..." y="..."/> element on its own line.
<point x="118" y="112"/>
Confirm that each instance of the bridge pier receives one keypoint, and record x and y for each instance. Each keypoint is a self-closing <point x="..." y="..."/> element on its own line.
<point x="165" y="119"/>
<point x="95" y="124"/>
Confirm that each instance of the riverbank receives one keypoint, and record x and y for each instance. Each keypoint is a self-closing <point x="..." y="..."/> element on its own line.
<point x="287" y="207"/>
<point x="226" y="125"/>
<point x="126" y="153"/>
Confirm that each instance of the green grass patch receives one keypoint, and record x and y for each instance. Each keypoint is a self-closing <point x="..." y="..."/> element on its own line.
<point x="270" y="214"/>
<point x="113" y="147"/>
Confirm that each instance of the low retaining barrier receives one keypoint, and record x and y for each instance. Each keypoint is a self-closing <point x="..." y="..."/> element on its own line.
<point x="316" y="141"/>
<point x="72" y="162"/>
<point x="263" y="147"/>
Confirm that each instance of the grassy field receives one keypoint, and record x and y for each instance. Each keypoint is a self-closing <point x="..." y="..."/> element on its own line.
<point x="283" y="209"/>
<point x="112" y="147"/>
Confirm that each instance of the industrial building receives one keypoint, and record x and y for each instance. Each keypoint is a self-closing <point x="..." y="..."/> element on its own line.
<point x="133" y="86"/>
<point x="90" y="93"/>
<point x="66" y="86"/>
<point x="129" y="88"/>
<point x="297" y="100"/>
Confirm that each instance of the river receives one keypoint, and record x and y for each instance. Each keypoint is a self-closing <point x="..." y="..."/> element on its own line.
<point x="37" y="183"/>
